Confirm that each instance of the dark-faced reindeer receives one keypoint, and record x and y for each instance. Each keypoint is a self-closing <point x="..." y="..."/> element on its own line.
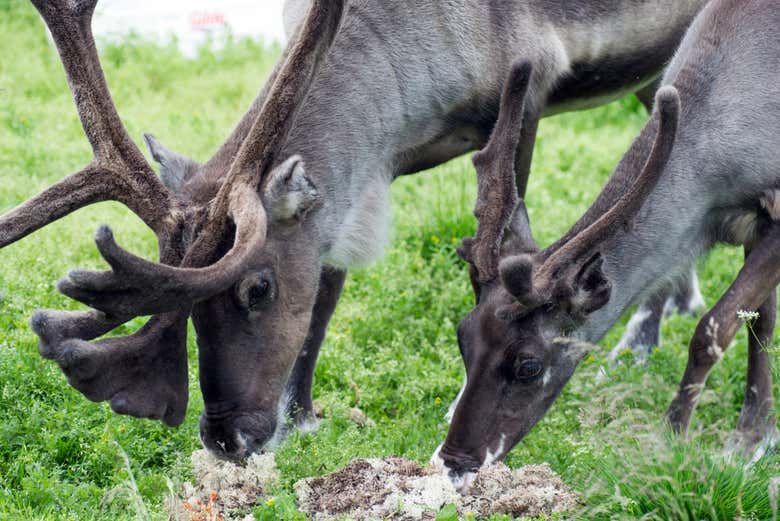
<point x="253" y="246"/>
<point x="678" y="190"/>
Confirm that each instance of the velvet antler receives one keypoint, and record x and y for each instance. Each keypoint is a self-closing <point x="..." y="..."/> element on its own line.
<point x="495" y="164"/>
<point x="118" y="170"/>
<point x="536" y="279"/>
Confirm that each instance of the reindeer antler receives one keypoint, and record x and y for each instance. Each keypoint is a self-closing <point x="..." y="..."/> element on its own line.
<point x="155" y="357"/>
<point x="535" y="279"/>
<point x="135" y="286"/>
<point x="496" y="186"/>
<point x="118" y="171"/>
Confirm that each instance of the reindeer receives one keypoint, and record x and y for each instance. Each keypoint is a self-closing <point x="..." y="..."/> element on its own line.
<point x="680" y="188"/>
<point x="254" y="243"/>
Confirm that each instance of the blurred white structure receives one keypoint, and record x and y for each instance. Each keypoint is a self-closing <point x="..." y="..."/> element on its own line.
<point x="191" y="22"/>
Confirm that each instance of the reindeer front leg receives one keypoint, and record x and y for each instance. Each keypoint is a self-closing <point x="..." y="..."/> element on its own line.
<point x="643" y="331"/>
<point x="752" y="289"/>
<point x="301" y="407"/>
<point x="756" y="429"/>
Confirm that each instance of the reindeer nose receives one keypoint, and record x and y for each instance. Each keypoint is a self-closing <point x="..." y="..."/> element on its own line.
<point x="222" y="440"/>
<point x="461" y="470"/>
<point x="236" y="438"/>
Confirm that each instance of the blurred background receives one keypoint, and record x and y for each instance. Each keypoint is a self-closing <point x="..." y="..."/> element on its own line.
<point x="190" y="23"/>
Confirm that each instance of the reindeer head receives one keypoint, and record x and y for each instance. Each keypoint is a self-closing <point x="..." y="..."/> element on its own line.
<point x="519" y="343"/>
<point x="226" y="254"/>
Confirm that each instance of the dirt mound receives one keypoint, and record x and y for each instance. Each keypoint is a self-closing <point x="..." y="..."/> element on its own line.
<point x="222" y="487"/>
<point x="401" y="490"/>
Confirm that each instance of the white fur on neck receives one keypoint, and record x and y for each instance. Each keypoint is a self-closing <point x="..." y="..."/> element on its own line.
<point x="364" y="233"/>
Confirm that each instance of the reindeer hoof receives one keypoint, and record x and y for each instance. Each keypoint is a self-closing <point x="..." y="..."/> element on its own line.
<point x="307" y="422"/>
<point x="752" y="446"/>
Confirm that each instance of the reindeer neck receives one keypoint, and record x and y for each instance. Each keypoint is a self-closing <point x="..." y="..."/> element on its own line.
<point x="369" y="109"/>
<point x="665" y="237"/>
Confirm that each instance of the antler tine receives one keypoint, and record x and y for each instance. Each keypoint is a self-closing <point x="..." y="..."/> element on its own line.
<point x="495" y="164"/>
<point x="91" y="185"/>
<point x="70" y="26"/>
<point x="589" y="240"/>
<point x="136" y="286"/>
<point x="143" y="374"/>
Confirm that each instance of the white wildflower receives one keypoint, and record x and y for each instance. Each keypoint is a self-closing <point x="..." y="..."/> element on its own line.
<point x="747" y="315"/>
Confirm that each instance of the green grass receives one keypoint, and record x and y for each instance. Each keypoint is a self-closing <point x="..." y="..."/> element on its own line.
<point x="391" y="346"/>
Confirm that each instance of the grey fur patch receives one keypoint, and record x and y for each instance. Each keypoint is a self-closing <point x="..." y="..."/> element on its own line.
<point x="175" y="168"/>
<point x="365" y="232"/>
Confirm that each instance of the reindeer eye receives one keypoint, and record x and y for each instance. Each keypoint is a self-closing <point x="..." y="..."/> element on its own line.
<point x="528" y="368"/>
<point x="256" y="290"/>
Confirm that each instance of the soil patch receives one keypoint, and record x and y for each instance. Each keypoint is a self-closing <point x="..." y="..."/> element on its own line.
<point x="403" y="490"/>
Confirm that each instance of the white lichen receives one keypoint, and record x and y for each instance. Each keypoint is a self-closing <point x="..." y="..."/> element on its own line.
<point x="234" y="488"/>
<point x="402" y="490"/>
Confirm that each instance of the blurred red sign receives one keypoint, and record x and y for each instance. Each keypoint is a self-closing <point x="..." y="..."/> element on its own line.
<point x="205" y="21"/>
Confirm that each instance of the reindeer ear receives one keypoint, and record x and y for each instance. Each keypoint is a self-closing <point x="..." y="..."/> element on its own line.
<point x="517" y="275"/>
<point x="289" y="192"/>
<point x="174" y="167"/>
<point x="592" y="289"/>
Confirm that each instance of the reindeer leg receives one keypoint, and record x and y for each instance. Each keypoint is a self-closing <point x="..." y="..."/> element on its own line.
<point x="754" y="285"/>
<point x="687" y="298"/>
<point x="301" y="407"/>
<point x="756" y="429"/>
<point x="643" y="331"/>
